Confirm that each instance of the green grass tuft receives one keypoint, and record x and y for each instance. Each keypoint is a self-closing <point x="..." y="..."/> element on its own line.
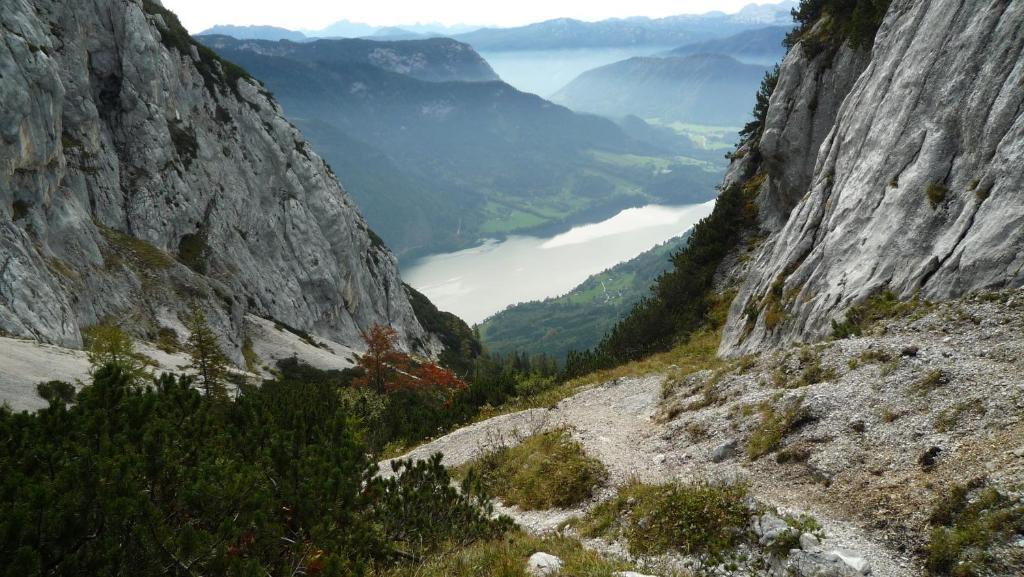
<point x="545" y="470"/>
<point x="969" y="524"/>
<point x="701" y="519"/>
<point x="776" y="423"/>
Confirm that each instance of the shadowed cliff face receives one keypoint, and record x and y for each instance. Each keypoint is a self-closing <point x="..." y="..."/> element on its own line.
<point x="138" y="173"/>
<point x="914" y="187"/>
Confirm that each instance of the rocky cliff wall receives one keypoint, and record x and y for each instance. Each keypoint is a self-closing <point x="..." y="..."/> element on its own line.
<point x="138" y="173"/>
<point x="916" y="187"/>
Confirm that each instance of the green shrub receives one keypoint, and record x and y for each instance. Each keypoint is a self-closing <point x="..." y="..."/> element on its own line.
<point x="852" y="21"/>
<point x="775" y="424"/>
<point x="701" y="519"/>
<point x="160" y="479"/>
<point x="252" y="360"/>
<point x="184" y="140"/>
<point x="545" y="470"/>
<point x="19" y="209"/>
<point x="968" y="525"/>
<point x="193" y="250"/>
<point x="752" y="131"/>
<point x="936" y="194"/>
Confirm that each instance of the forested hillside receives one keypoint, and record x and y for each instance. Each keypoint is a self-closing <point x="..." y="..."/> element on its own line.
<point x="579" y="319"/>
<point x="441" y="165"/>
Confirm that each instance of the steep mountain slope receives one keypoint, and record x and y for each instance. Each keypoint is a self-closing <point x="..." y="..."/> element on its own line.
<point x="433" y="59"/>
<point x="760" y="46"/>
<point x="578" y="319"/>
<point x="139" y="172"/>
<point x="703" y="89"/>
<point x="476" y="159"/>
<point x="254" y="32"/>
<point x="916" y="187"/>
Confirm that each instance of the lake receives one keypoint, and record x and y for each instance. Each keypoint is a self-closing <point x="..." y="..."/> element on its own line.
<point x="478" y="282"/>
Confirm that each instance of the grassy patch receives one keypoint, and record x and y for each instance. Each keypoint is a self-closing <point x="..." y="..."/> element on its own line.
<point x="884" y="305"/>
<point x="141" y="253"/>
<point x="968" y="525"/>
<point x="929" y="382"/>
<point x="252" y="360"/>
<point x="545" y="470"/>
<point x="950" y="418"/>
<point x="776" y="423"/>
<point x="699" y="352"/>
<point x="507" y="557"/>
<point x="703" y="519"/>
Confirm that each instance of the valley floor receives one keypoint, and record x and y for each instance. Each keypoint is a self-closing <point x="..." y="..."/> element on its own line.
<point x="947" y="376"/>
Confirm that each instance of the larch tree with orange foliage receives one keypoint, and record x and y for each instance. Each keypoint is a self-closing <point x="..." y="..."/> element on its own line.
<point x="388" y="369"/>
<point x="385" y="367"/>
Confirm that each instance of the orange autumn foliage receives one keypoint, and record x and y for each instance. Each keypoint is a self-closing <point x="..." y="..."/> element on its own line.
<point x="388" y="369"/>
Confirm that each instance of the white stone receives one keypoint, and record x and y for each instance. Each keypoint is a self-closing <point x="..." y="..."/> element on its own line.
<point x="543" y="564"/>
<point x="809" y="542"/>
<point x="659" y="459"/>
<point x="852" y="560"/>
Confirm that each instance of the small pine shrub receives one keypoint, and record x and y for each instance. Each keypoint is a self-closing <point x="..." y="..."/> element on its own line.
<point x="936" y="194"/>
<point x="19" y="210"/>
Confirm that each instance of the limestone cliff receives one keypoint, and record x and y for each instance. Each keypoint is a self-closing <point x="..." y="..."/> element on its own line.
<point x="895" y="168"/>
<point x="140" y="172"/>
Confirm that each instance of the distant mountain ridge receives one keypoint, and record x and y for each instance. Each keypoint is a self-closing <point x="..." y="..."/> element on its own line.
<point x="254" y="32"/>
<point x="709" y="89"/>
<point x="568" y="33"/>
<point x="432" y="59"/>
<point x="761" y="45"/>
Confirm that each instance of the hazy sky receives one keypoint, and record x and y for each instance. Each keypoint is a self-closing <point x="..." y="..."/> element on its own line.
<point x="198" y="15"/>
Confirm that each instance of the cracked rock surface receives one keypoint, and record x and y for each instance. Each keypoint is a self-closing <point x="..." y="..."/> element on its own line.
<point x="139" y="173"/>
<point x="916" y="186"/>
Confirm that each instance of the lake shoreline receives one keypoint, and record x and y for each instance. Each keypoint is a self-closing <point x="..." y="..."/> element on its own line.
<point x="478" y="282"/>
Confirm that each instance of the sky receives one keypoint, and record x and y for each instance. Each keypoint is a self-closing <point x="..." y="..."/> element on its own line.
<point x="198" y="15"/>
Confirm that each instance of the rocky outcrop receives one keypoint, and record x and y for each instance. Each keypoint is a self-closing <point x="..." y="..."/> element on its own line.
<point x="139" y="172"/>
<point x="916" y="187"/>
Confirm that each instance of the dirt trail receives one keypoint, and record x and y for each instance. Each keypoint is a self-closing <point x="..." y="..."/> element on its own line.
<point x="615" y="422"/>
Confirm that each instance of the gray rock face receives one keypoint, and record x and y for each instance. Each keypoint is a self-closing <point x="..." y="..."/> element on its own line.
<point x="136" y="178"/>
<point x="917" y="186"/>
<point x="802" y="111"/>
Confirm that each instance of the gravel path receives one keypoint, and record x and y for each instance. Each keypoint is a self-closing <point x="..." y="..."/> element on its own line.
<point x="615" y="422"/>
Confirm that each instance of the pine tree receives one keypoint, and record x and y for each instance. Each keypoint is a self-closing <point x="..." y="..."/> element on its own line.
<point x="208" y="361"/>
<point x="108" y="345"/>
